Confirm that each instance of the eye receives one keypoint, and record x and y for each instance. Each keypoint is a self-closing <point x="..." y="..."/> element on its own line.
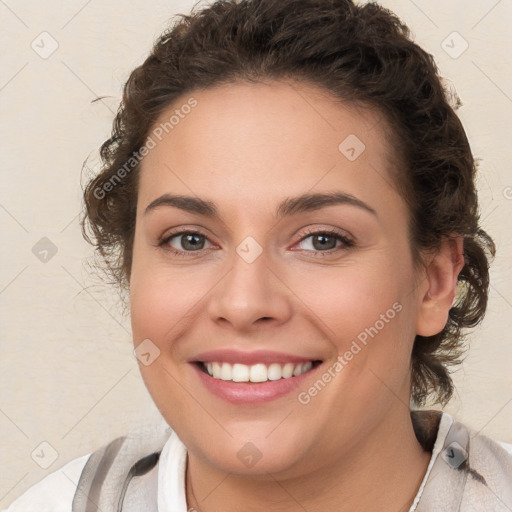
<point x="325" y="241"/>
<point x="184" y="242"/>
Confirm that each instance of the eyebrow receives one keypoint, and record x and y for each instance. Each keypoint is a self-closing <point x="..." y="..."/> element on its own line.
<point x="290" y="206"/>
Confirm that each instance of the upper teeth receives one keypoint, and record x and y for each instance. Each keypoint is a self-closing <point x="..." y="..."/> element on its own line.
<point x="257" y="372"/>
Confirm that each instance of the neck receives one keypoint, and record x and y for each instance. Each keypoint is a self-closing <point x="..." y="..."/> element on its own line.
<point x="382" y="473"/>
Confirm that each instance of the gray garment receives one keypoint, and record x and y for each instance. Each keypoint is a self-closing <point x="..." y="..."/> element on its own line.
<point x="471" y="474"/>
<point x="122" y="475"/>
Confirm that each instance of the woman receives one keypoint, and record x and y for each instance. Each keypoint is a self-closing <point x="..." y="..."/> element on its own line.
<point x="288" y="198"/>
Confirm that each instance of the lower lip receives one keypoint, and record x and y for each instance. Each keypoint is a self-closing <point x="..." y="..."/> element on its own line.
<point x="251" y="392"/>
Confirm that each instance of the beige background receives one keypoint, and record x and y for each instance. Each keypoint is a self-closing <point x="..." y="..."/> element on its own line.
<point x="68" y="377"/>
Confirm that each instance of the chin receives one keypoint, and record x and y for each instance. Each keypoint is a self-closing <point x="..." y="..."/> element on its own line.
<point x="252" y="454"/>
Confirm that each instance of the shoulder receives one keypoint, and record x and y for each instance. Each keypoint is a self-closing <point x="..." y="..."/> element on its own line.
<point x="54" y="493"/>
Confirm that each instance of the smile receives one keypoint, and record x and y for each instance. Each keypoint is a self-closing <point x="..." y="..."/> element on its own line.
<point x="259" y="372"/>
<point x="253" y="377"/>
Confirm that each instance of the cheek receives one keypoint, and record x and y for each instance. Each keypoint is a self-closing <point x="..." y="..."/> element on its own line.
<point x="159" y="305"/>
<point x="351" y="299"/>
<point x="159" y="296"/>
<point x="367" y="313"/>
<point x="159" y="302"/>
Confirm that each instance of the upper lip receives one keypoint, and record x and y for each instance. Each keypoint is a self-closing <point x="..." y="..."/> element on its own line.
<point x="249" y="358"/>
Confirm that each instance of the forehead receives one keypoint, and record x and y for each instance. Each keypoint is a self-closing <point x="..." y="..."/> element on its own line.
<point x="251" y="142"/>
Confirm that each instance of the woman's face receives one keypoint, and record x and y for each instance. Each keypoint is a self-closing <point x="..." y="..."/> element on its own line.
<point x="260" y="280"/>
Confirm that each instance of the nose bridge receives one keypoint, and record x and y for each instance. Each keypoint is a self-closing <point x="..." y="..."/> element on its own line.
<point x="250" y="290"/>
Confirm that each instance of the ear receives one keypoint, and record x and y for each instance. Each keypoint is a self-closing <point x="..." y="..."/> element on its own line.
<point x="441" y="286"/>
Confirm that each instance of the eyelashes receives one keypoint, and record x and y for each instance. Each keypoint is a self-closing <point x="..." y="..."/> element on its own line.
<point x="329" y="234"/>
<point x="191" y="235"/>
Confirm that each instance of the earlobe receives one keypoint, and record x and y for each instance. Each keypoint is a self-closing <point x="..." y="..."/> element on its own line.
<point x="441" y="273"/>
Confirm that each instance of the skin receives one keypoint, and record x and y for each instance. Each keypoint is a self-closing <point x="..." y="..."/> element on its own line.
<point x="247" y="147"/>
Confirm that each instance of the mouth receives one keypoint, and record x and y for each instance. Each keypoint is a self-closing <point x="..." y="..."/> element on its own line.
<point x="256" y="377"/>
<point x="255" y="373"/>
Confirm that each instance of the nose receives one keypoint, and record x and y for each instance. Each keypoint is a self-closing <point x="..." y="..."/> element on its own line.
<point x="249" y="295"/>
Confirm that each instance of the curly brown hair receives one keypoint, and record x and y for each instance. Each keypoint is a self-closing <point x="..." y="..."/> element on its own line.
<point x="361" y="54"/>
